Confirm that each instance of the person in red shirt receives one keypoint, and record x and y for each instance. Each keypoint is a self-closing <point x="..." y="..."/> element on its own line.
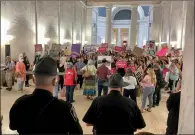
<point x="102" y="75"/>
<point x="70" y="81"/>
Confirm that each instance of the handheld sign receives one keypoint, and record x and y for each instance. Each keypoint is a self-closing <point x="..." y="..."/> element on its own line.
<point x="121" y="64"/>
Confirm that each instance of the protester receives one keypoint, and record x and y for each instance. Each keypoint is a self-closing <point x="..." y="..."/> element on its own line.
<point x="70" y="78"/>
<point x="102" y="76"/>
<point x="10" y="69"/>
<point x="20" y="72"/>
<point x="159" y="85"/>
<point x="78" y="66"/>
<point x="60" y="65"/>
<point x="40" y="112"/>
<point x="89" y="84"/>
<point x="173" y="77"/>
<point x="56" y="87"/>
<point x="130" y="90"/>
<point x="114" y="113"/>
<point x="148" y="84"/>
<point x="27" y="65"/>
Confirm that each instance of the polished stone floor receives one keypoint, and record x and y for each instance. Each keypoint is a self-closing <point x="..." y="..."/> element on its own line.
<point x="155" y="120"/>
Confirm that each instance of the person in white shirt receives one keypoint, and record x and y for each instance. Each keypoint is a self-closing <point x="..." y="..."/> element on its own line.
<point x="130" y="90"/>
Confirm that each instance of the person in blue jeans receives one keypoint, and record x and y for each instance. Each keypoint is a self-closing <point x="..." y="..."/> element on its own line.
<point x="102" y="87"/>
<point x="70" y="82"/>
<point x="102" y="75"/>
<point x="148" y="84"/>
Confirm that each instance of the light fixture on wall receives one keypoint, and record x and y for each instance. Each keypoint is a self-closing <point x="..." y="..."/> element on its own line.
<point x="46" y="40"/>
<point x="77" y="41"/>
<point x="103" y="40"/>
<point x="66" y="41"/>
<point x="173" y="43"/>
<point x="144" y="42"/>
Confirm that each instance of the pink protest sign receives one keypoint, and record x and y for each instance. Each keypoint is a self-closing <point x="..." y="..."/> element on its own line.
<point x="119" y="48"/>
<point x="162" y="52"/>
<point x="104" y="45"/>
<point x="38" y="47"/>
<point x="102" y="49"/>
<point x="121" y="64"/>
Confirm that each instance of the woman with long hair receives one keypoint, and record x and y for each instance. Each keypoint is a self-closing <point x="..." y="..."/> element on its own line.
<point x="130" y="91"/>
<point x="89" y="83"/>
<point x="148" y="84"/>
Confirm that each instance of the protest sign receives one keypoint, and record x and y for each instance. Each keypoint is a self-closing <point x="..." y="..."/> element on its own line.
<point x="176" y="52"/>
<point x="151" y="47"/>
<point x="108" y="58"/>
<point x="119" y="48"/>
<point x="89" y="49"/>
<point x="104" y="45"/>
<point x="138" y="74"/>
<point x="138" y="51"/>
<point x="56" y="47"/>
<point x="75" y="50"/>
<point x="162" y="52"/>
<point x="38" y="47"/>
<point x="121" y="64"/>
<point x="102" y="49"/>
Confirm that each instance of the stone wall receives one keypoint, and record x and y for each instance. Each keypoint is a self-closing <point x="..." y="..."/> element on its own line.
<point x="20" y="15"/>
<point x="177" y="30"/>
<point x="172" y="25"/>
<point x="186" y="118"/>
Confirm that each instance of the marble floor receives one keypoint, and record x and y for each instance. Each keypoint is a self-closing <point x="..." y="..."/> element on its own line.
<point x="155" y="120"/>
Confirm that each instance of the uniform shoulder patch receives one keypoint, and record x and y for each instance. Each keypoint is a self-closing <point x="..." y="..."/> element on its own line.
<point x="73" y="113"/>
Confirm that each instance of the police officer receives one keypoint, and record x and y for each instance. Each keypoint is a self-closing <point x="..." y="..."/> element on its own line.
<point x="114" y="113"/>
<point x="40" y="112"/>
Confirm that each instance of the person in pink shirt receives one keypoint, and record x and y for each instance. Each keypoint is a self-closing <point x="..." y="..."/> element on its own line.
<point x="20" y="72"/>
<point x="148" y="84"/>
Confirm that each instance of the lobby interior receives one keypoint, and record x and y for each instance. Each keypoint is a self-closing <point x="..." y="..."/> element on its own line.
<point x="25" y="23"/>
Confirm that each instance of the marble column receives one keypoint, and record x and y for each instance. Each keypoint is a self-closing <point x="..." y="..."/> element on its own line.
<point x="119" y="37"/>
<point x="186" y="116"/>
<point x="89" y="22"/>
<point x="133" y="26"/>
<point x="156" y="23"/>
<point x="108" y="24"/>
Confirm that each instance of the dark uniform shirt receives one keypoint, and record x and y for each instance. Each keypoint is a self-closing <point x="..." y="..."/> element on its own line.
<point x="41" y="113"/>
<point x="114" y="114"/>
<point x="173" y="106"/>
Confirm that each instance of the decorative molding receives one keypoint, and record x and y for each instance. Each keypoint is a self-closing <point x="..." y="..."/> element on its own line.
<point x="117" y="9"/>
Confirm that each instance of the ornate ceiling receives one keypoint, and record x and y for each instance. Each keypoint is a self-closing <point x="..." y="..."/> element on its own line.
<point x="120" y="2"/>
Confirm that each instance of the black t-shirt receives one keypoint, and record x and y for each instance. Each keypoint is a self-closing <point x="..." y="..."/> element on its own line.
<point x="114" y="114"/>
<point x="41" y="113"/>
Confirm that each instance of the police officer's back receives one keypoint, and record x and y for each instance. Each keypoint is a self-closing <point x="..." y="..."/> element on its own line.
<point x="114" y="114"/>
<point x="40" y="112"/>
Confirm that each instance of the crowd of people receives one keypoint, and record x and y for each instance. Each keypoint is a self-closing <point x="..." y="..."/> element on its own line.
<point x="66" y="74"/>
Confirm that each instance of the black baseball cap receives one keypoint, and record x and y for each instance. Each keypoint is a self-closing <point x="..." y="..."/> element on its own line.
<point x="46" y="66"/>
<point x="104" y="61"/>
<point x="116" y="81"/>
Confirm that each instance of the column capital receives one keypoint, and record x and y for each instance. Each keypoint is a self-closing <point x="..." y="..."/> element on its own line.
<point x="109" y="6"/>
<point x="89" y="7"/>
<point x="156" y="5"/>
<point x="134" y="6"/>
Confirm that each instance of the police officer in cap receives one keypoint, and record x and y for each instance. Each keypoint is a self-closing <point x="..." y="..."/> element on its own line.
<point x="40" y="112"/>
<point x="114" y="113"/>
